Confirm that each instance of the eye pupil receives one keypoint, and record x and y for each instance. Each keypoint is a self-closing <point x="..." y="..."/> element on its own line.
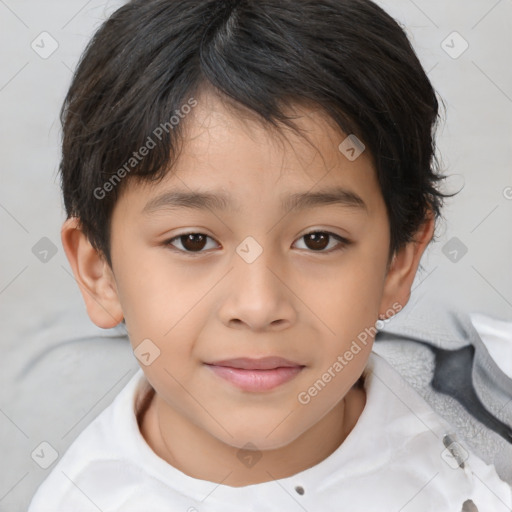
<point x="193" y="242"/>
<point x="319" y="240"/>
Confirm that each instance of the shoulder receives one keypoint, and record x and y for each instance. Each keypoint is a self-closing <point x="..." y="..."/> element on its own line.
<point x="415" y="442"/>
<point x="96" y="459"/>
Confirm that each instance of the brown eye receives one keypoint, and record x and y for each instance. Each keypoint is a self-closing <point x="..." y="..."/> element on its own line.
<point x="194" y="242"/>
<point x="191" y="242"/>
<point x="319" y="241"/>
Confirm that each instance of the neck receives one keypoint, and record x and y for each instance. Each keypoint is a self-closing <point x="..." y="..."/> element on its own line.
<point x="198" y="454"/>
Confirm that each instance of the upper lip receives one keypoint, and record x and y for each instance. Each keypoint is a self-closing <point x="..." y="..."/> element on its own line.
<point x="265" y="363"/>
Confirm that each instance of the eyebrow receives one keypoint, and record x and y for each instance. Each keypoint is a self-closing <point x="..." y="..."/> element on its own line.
<point x="221" y="201"/>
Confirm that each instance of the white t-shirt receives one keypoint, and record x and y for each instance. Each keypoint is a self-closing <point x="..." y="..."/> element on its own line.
<point x="394" y="459"/>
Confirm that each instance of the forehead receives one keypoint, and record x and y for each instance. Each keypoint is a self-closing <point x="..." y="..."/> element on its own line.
<point x="217" y="125"/>
<point x="229" y="158"/>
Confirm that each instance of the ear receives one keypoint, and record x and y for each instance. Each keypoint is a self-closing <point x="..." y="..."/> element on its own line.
<point x="403" y="267"/>
<point x="93" y="276"/>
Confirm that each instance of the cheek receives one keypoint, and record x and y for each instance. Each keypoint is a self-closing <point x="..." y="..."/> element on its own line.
<point x="156" y="297"/>
<point x="347" y="296"/>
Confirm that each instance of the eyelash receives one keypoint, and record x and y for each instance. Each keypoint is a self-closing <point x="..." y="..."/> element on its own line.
<point x="342" y="245"/>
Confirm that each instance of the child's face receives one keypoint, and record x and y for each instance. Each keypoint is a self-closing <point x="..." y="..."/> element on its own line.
<point x="304" y="299"/>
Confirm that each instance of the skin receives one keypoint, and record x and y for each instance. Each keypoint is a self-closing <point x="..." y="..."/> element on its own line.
<point x="300" y="299"/>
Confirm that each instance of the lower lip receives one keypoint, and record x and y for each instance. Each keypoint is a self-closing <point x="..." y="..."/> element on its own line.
<point x="256" y="380"/>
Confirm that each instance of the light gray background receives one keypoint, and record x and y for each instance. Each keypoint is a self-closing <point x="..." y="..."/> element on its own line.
<point x="58" y="370"/>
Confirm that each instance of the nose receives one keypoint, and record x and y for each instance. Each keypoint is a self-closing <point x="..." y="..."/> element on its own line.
<point x="256" y="296"/>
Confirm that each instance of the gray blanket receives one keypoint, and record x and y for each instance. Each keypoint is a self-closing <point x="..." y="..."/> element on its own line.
<point x="439" y="352"/>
